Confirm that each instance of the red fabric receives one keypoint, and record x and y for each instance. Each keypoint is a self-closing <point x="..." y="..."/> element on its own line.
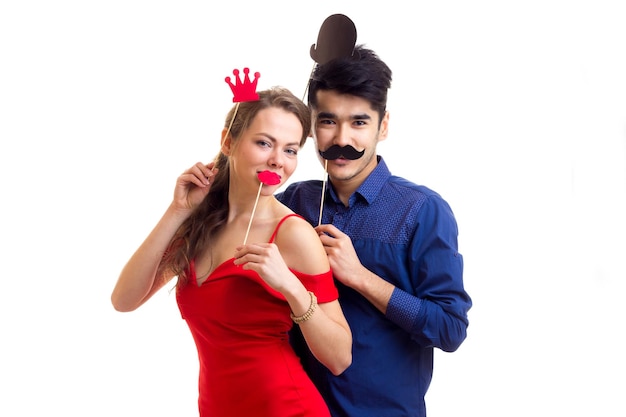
<point x="240" y="325"/>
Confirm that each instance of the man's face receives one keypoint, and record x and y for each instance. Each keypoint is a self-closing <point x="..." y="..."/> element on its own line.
<point x="347" y="121"/>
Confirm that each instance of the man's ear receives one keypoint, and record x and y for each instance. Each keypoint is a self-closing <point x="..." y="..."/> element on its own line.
<point x="226" y="142"/>
<point x="383" y="131"/>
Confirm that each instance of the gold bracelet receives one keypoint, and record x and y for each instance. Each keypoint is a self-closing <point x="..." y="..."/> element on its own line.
<point x="309" y="312"/>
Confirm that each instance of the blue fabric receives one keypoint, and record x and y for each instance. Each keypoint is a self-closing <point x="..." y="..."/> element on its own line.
<point x="406" y="234"/>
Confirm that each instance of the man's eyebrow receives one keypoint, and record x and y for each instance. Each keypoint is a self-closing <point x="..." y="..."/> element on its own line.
<point x="329" y="115"/>
<point x="326" y="115"/>
<point x="363" y="116"/>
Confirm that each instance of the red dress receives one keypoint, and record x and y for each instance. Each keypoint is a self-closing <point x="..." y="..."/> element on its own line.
<point x="240" y="325"/>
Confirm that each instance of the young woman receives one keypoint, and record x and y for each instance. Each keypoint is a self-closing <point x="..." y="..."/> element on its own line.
<point x="240" y="300"/>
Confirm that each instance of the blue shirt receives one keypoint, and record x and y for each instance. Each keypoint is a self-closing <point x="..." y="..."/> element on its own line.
<point x="406" y="234"/>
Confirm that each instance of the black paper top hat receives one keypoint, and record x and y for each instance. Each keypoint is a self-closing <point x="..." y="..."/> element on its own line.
<point x="336" y="39"/>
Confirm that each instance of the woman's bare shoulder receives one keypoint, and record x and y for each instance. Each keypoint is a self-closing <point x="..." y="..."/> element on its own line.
<point x="301" y="246"/>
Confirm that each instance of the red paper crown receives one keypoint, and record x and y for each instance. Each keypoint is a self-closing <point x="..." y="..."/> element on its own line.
<point x="244" y="90"/>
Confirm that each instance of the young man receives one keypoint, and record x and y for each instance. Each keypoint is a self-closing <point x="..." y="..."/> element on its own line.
<point x="392" y="246"/>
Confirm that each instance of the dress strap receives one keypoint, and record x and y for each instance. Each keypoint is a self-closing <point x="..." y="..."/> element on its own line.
<point x="281" y="222"/>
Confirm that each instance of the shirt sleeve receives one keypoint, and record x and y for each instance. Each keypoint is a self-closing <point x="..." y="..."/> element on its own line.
<point x="436" y="312"/>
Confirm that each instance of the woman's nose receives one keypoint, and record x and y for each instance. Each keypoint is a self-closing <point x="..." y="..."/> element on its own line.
<point x="276" y="159"/>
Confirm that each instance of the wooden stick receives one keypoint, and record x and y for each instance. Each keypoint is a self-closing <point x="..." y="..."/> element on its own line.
<point x="245" y="239"/>
<point x="323" y="190"/>
<point x="232" y="120"/>
<point x="306" y="88"/>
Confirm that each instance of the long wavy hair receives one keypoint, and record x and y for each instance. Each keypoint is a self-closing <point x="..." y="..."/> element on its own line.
<point x="209" y="217"/>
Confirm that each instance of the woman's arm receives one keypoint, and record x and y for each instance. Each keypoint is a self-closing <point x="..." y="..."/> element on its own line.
<point x="326" y="331"/>
<point x="328" y="336"/>
<point x="138" y="280"/>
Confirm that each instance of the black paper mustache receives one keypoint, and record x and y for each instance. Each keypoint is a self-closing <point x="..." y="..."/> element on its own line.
<point x="336" y="151"/>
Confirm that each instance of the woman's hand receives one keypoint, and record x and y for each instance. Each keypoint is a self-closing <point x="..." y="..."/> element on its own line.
<point x="265" y="259"/>
<point x="193" y="185"/>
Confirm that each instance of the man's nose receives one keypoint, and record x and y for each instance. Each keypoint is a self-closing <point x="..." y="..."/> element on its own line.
<point x="342" y="135"/>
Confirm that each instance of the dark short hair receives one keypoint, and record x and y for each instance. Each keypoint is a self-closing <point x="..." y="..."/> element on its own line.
<point x="363" y="75"/>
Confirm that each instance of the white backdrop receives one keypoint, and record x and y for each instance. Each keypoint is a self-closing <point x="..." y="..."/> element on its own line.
<point x="514" y="111"/>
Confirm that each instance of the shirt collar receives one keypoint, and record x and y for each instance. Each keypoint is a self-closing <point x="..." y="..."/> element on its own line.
<point x="373" y="184"/>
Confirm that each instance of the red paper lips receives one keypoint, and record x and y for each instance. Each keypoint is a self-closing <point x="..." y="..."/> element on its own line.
<point x="269" y="177"/>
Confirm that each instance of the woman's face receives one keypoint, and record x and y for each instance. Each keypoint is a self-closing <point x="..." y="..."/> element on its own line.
<point x="271" y="143"/>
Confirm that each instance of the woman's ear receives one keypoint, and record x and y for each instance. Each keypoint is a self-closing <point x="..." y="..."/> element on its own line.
<point x="226" y="142"/>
